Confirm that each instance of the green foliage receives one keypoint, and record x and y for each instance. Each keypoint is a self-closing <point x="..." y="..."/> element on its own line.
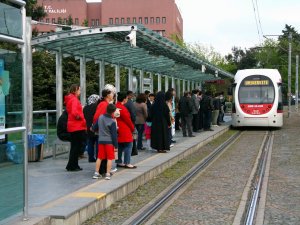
<point x="179" y="41"/>
<point x="85" y="23"/>
<point x="44" y="83"/>
<point x="35" y="11"/>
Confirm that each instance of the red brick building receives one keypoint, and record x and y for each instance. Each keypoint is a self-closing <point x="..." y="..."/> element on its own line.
<point x="162" y="16"/>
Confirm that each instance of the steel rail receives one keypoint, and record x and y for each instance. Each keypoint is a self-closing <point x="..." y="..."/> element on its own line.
<point x="142" y="217"/>
<point x="257" y="182"/>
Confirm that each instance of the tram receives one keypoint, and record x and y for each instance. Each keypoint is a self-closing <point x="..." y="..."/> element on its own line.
<point x="257" y="98"/>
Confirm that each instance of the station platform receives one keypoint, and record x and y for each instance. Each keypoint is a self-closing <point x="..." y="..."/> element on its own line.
<point x="60" y="197"/>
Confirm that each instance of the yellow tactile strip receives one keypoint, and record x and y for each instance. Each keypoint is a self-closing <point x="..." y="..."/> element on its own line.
<point x="96" y="195"/>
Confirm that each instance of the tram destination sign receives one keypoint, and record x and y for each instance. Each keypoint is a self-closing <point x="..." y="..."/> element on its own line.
<point x="256" y="82"/>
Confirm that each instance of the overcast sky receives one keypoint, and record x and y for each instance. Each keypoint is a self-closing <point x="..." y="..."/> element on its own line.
<point x="223" y="24"/>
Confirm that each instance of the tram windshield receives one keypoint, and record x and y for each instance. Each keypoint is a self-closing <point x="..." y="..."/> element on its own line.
<point x="256" y="91"/>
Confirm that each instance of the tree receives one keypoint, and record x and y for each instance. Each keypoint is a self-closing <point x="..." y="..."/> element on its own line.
<point x="179" y="41"/>
<point x="85" y="23"/>
<point x="35" y="11"/>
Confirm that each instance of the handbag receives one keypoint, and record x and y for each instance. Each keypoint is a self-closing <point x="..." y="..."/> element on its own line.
<point x="134" y="150"/>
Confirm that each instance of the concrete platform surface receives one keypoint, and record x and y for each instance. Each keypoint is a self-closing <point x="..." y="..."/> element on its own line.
<point x="60" y="197"/>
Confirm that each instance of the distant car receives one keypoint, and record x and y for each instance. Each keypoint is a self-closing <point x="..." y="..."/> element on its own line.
<point x="293" y="100"/>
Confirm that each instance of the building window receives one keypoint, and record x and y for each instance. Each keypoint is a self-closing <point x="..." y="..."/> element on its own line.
<point x="47" y="20"/>
<point x="133" y="20"/>
<point x="152" y="20"/>
<point x="76" y="21"/>
<point x="146" y="20"/>
<point x="116" y="20"/>
<point x="122" y="20"/>
<point x="53" y="20"/>
<point x="128" y="20"/>
<point x="111" y="21"/>
<point x="65" y="20"/>
<point x="157" y="19"/>
<point x="93" y="22"/>
<point x="97" y="22"/>
<point x="163" y="20"/>
<point x="140" y="20"/>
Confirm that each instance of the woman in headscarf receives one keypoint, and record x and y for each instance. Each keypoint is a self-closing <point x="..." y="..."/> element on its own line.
<point x="89" y="111"/>
<point x="161" y="121"/>
<point x="76" y="126"/>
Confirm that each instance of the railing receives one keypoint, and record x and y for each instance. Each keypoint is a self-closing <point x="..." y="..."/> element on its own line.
<point x="41" y="126"/>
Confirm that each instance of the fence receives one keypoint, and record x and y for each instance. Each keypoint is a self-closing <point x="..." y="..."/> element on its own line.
<point x="44" y="122"/>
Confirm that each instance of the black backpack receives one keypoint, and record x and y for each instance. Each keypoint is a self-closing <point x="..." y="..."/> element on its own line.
<point x="62" y="132"/>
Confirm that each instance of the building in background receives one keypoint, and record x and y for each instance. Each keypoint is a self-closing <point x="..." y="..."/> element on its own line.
<point x="162" y="16"/>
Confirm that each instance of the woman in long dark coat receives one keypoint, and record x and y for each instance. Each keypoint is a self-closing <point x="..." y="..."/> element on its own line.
<point x="160" y="116"/>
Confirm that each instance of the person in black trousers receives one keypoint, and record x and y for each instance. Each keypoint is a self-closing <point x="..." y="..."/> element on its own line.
<point x="185" y="108"/>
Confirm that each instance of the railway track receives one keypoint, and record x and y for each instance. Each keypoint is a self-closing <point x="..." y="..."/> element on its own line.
<point x="246" y="211"/>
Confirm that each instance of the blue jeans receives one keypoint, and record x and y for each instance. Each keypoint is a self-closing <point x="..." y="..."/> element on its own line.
<point x="125" y="147"/>
<point x="92" y="148"/>
<point x="140" y="130"/>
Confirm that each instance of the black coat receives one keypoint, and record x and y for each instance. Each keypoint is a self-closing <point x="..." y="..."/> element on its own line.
<point x="185" y="106"/>
<point x="160" y="115"/>
<point x="130" y="106"/>
<point x="89" y="111"/>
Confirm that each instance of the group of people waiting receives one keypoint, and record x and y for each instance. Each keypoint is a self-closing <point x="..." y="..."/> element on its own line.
<point x="113" y="126"/>
<point x="199" y="110"/>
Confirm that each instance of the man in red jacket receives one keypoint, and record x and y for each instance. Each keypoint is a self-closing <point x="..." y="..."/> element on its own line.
<point x="125" y="130"/>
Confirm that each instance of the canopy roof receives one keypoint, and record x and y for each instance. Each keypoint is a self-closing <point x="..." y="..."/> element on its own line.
<point x="150" y="53"/>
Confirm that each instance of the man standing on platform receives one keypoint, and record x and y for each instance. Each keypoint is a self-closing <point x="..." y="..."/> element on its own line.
<point x="185" y="108"/>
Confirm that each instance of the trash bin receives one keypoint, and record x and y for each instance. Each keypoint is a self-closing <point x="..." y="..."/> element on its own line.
<point x="35" y="147"/>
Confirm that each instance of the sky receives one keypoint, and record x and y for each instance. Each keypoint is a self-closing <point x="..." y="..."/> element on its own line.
<point x="224" y="24"/>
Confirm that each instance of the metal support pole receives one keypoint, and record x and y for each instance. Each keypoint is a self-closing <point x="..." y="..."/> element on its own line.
<point x="173" y="83"/>
<point x="27" y="99"/>
<point x="189" y="85"/>
<point x="130" y="79"/>
<point x="158" y="82"/>
<point x="290" y="73"/>
<point x="83" y="80"/>
<point x="178" y="89"/>
<point x="151" y="85"/>
<point x="183" y="86"/>
<point x="200" y="86"/>
<point x="141" y="81"/>
<point x="117" y="77"/>
<point x="59" y="84"/>
<point x="28" y="81"/>
<point x="101" y="76"/>
<point x="166" y="83"/>
<point x="297" y="77"/>
<point x="47" y="131"/>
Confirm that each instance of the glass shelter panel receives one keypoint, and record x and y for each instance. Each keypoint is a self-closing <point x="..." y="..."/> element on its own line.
<point x="11" y="114"/>
<point x="10" y="21"/>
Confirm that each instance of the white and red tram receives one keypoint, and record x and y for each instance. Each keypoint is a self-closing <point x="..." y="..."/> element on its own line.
<point x="257" y="98"/>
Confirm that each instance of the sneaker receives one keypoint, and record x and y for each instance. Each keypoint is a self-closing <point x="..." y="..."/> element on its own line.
<point x="107" y="176"/>
<point x="113" y="171"/>
<point x="96" y="175"/>
<point x="172" y="145"/>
